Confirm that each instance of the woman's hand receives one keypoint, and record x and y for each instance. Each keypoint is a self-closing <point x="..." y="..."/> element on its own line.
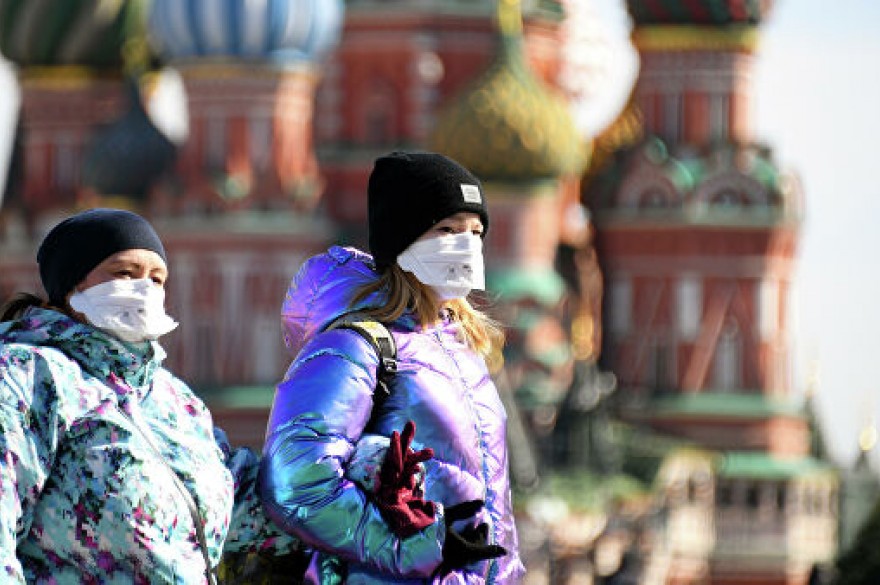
<point x="471" y="544"/>
<point x="397" y="493"/>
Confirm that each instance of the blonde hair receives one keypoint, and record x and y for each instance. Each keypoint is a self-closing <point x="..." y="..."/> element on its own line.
<point x="404" y="292"/>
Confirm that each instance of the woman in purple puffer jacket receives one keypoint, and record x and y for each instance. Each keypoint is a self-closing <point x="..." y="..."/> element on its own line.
<point x="427" y="218"/>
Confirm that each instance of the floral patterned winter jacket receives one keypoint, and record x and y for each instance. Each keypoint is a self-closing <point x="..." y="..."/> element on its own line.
<point x="83" y="498"/>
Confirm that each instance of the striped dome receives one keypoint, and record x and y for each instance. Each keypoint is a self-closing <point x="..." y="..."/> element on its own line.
<point x="282" y="31"/>
<point x="48" y="32"/>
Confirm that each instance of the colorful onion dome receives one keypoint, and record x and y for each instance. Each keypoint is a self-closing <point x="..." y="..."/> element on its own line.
<point x="126" y="157"/>
<point x="48" y="32"/>
<point x="282" y="31"/>
<point x="704" y="12"/>
<point x="508" y="125"/>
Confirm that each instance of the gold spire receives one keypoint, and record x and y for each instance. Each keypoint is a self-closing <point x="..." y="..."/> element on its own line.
<point x="868" y="436"/>
<point x="655" y="38"/>
<point x="510" y="17"/>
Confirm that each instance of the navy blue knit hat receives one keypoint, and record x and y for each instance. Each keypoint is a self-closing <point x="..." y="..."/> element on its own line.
<point x="411" y="191"/>
<point x="79" y="243"/>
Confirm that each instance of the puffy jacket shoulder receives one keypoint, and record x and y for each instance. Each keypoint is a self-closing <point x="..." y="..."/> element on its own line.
<point x="322" y="290"/>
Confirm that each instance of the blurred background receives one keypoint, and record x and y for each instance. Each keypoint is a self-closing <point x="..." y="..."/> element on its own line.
<point x="682" y="205"/>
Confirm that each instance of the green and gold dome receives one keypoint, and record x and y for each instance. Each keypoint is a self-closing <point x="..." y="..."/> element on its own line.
<point x="39" y="33"/>
<point x="508" y="126"/>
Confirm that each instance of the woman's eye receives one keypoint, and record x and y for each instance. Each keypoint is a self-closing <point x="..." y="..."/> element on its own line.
<point x="158" y="281"/>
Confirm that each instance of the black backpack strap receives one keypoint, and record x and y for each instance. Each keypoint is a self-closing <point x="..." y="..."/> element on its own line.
<point x="379" y="337"/>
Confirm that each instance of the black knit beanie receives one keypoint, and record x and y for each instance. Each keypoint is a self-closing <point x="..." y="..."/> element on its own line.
<point x="411" y="191"/>
<point x="79" y="243"/>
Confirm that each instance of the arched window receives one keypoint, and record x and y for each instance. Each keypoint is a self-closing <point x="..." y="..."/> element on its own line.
<point x="65" y="162"/>
<point x="673" y="105"/>
<point x="620" y="299"/>
<point x="728" y="199"/>
<point x="768" y="308"/>
<point x="728" y="358"/>
<point x="753" y="496"/>
<point x="215" y="141"/>
<point x="260" y="136"/>
<point x="688" y="306"/>
<point x="781" y="497"/>
<point x="660" y="370"/>
<point x="719" y="116"/>
<point x="724" y="496"/>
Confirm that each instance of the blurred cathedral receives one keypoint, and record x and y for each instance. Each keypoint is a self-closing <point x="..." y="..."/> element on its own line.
<point x="641" y="264"/>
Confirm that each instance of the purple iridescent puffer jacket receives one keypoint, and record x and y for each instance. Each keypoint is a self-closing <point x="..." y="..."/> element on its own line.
<point x="323" y="407"/>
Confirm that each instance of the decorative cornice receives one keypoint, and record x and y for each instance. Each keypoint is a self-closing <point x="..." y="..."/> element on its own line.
<point x="658" y="38"/>
<point x="64" y="76"/>
<point x="217" y="68"/>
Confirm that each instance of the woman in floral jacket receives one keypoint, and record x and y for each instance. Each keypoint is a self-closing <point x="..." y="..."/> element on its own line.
<point x="99" y="442"/>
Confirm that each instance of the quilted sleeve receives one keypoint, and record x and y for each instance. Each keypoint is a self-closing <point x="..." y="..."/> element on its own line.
<point x="29" y="431"/>
<point x="319" y="413"/>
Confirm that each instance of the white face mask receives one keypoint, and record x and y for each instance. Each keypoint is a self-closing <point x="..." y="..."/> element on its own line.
<point x="451" y="265"/>
<point x="132" y="310"/>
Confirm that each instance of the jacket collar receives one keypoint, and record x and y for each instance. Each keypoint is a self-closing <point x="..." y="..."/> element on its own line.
<point x="97" y="352"/>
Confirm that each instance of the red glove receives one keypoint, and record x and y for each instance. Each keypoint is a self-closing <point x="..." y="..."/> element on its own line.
<point x="397" y="494"/>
